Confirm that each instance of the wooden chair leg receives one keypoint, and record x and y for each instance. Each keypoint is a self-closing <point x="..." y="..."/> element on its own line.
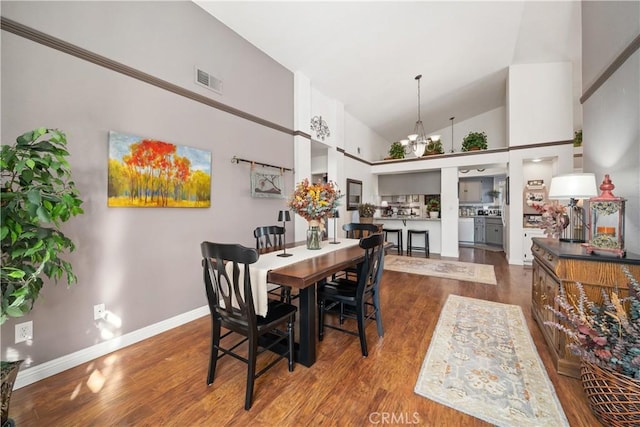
<point x="320" y="320"/>
<point x="213" y="354"/>
<point x="362" y="333"/>
<point x="251" y="372"/>
<point x="376" y="307"/>
<point x="291" y="334"/>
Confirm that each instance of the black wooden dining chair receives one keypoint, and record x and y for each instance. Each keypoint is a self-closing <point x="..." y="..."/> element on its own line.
<point x="355" y="230"/>
<point x="356" y="299"/>
<point x="270" y="238"/>
<point x="231" y="305"/>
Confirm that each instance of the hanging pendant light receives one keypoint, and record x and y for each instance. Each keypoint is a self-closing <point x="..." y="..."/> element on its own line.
<point x="417" y="141"/>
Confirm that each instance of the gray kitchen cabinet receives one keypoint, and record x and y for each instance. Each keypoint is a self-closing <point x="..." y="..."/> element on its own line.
<point x="479" y="230"/>
<point x="470" y="191"/>
<point x="493" y="231"/>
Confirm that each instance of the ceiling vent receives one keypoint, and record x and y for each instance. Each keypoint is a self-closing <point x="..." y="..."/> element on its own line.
<point x="209" y="81"/>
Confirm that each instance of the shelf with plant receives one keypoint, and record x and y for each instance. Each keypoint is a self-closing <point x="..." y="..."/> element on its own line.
<point x="475" y="141"/>
<point x="396" y="151"/>
<point x="433" y="147"/>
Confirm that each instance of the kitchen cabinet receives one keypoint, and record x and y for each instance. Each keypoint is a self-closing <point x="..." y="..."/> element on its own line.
<point x="493" y="231"/>
<point x="529" y="234"/>
<point x="558" y="264"/>
<point x="470" y="191"/>
<point x="478" y="230"/>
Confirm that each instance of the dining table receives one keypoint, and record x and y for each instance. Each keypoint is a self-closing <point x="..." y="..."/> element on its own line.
<point x="303" y="271"/>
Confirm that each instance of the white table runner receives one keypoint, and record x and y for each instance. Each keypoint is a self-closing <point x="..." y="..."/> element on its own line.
<point x="271" y="261"/>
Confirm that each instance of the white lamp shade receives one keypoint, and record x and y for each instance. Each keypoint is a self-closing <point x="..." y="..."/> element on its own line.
<point x="384" y="204"/>
<point x="419" y="148"/>
<point x="573" y="186"/>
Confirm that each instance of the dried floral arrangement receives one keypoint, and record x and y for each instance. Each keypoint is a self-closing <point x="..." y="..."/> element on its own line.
<point x="606" y="334"/>
<point x="314" y="201"/>
<point x="554" y="218"/>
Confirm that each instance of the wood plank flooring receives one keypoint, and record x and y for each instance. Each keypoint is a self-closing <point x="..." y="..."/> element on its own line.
<point x="162" y="381"/>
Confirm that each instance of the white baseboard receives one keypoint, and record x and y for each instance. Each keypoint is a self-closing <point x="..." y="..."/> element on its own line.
<point x="52" y="367"/>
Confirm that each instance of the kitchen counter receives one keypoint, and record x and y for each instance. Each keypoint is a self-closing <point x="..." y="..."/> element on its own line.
<point x="406" y="218"/>
<point x="415" y="223"/>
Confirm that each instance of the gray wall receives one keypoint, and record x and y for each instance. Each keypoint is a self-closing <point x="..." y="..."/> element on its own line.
<point x="409" y="183"/>
<point x="143" y="264"/>
<point x="611" y="116"/>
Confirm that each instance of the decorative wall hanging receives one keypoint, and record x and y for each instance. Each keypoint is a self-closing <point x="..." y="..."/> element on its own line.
<point x="320" y="127"/>
<point x="267" y="183"/>
<point x="149" y="173"/>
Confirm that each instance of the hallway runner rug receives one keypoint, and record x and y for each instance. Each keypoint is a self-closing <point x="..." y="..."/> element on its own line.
<point x="482" y="361"/>
<point x="467" y="271"/>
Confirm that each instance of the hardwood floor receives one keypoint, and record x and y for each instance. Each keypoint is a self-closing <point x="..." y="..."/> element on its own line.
<point x="162" y="381"/>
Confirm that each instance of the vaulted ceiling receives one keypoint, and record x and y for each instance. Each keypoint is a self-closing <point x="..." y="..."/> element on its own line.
<point x="366" y="54"/>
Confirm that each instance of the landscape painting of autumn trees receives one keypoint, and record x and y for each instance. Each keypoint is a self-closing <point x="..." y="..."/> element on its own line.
<point x="149" y="173"/>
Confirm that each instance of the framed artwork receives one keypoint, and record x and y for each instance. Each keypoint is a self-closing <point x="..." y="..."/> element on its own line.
<point x="148" y="173"/>
<point x="354" y="194"/>
<point x="267" y="183"/>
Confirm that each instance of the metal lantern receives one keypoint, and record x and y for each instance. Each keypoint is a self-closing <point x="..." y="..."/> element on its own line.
<point x="606" y="222"/>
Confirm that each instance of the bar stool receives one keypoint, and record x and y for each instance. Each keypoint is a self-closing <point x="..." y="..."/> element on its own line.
<point x="398" y="244"/>
<point x="410" y="246"/>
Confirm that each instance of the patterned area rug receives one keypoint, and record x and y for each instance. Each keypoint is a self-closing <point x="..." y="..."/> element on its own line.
<point x="482" y="361"/>
<point x="481" y="273"/>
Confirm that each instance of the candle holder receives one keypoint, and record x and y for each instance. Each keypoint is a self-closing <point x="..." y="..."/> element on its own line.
<point x="284" y="216"/>
<point x="335" y="216"/>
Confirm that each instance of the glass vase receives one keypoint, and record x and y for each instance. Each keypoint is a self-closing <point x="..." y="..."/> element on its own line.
<point x="313" y="235"/>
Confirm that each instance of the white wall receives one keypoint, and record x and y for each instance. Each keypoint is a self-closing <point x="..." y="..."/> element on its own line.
<point x="360" y="140"/>
<point x="611" y="130"/>
<point x="540" y="103"/>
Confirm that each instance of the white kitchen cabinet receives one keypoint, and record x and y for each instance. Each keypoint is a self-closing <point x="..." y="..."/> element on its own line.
<point x="530" y="233"/>
<point x="470" y="191"/>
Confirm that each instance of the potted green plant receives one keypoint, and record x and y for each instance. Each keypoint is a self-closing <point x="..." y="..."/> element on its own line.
<point x="37" y="195"/>
<point x="433" y="207"/>
<point x="577" y="138"/>
<point x="606" y="337"/>
<point x="433" y="147"/>
<point x="396" y="151"/>
<point x="366" y="211"/>
<point x="474" y="141"/>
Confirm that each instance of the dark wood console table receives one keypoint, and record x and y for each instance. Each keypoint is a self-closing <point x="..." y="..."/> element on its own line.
<point x="556" y="263"/>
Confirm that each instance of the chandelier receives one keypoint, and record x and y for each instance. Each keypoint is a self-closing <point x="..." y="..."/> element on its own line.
<point x="417" y="141"/>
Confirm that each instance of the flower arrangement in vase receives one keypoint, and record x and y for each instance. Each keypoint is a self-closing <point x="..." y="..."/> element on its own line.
<point x="366" y="212"/>
<point x="314" y="202"/>
<point x="554" y="218"/>
<point x="433" y="207"/>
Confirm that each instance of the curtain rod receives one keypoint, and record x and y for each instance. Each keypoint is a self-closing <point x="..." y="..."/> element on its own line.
<point x="236" y="160"/>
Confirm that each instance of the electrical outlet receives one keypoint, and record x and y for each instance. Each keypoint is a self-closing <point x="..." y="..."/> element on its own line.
<point x="98" y="311"/>
<point x="24" y="331"/>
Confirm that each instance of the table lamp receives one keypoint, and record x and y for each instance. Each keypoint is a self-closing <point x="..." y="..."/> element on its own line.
<point x="335" y="216"/>
<point x="284" y="216"/>
<point x="573" y="186"/>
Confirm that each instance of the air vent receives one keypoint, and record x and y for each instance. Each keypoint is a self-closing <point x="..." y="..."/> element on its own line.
<point x="207" y="80"/>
